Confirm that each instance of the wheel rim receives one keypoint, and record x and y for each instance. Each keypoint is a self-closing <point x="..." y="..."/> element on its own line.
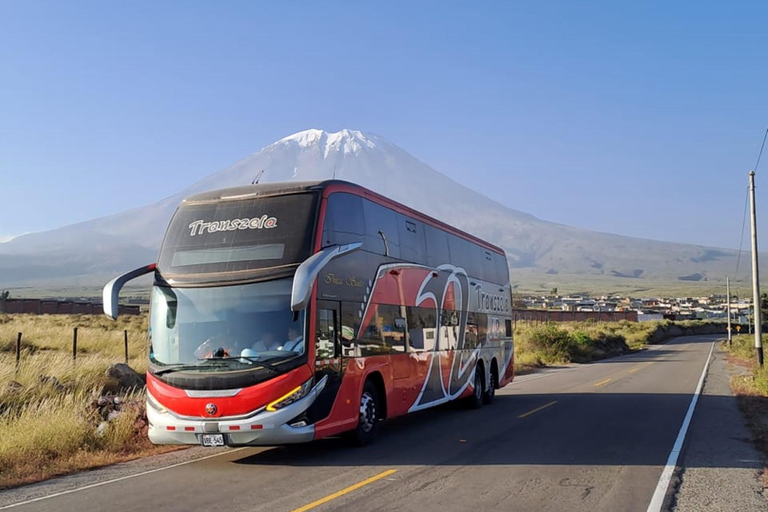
<point x="367" y="412"/>
<point x="478" y="386"/>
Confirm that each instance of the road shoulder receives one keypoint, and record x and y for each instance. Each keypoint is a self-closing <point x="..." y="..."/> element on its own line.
<point x="720" y="469"/>
<point x="113" y="472"/>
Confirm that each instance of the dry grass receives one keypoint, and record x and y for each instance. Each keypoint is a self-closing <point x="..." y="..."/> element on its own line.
<point x="538" y="344"/>
<point x="47" y="412"/>
<point x="751" y="389"/>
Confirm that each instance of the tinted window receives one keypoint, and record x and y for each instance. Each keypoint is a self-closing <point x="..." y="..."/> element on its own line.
<point x="381" y="234"/>
<point x="482" y="328"/>
<point x="437" y="247"/>
<point x="464" y="255"/>
<point x="485" y="260"/>
<point x="422" y="328"/>
<point x="350" y="325"/>
<point x="502" y="269"/>
<point x="471" y="335"/>
<point x="325" y="334"/>
<point x="449" y="330"/>
<point x="343" y="220"/>
<point x="384" y="333"/>
<point x="413" y="245"/>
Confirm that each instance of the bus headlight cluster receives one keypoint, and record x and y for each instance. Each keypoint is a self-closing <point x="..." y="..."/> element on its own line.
<point x="292" y="396"/>
<point x="155" y="405"/>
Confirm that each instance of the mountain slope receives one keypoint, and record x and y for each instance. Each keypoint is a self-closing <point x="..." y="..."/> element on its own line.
<point x="118" y="242"/>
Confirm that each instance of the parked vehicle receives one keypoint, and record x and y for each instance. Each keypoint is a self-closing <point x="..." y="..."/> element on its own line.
<point x="282" y="313"/>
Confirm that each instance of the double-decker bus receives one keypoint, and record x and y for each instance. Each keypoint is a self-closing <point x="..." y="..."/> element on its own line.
<point x="282" y="313"/>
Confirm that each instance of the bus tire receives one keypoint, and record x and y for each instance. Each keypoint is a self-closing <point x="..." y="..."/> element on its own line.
<point x="493" y="383"/>
<point x="370" y="415"/>
<point x="476" y="400"/>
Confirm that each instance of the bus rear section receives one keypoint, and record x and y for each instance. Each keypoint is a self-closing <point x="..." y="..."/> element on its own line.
<point x="286" y="312"/>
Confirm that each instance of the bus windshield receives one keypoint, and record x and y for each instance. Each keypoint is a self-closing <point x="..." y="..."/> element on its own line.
<point x="239" y="326"/>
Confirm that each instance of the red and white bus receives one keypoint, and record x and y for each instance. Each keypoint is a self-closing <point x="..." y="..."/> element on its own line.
<point x="287" y="312"/>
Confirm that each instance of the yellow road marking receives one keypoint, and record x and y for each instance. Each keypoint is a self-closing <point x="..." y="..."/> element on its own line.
<point x="345" y="491"/>
<point x="602" y="382"/>
<point x="538" y="409"/>
<point x="633" y="370"/>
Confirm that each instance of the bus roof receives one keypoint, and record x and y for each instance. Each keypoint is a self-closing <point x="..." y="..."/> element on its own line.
<point x="326" y="187"/>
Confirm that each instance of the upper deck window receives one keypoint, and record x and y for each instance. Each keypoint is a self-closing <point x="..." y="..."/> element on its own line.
<point x="247" y="234"/>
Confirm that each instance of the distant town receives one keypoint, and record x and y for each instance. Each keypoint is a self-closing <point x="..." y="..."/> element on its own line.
<point x="647" y="309"/>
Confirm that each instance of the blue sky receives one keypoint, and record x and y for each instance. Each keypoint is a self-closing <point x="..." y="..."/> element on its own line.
<point x="638" y="118"/>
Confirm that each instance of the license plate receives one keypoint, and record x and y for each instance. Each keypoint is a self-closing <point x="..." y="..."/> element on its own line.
<point x="213" y="439"/>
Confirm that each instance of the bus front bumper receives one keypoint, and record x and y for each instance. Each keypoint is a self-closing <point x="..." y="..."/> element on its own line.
<point x="262" y="428"/>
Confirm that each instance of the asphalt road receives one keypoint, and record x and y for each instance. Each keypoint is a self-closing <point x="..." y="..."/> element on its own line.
<point x="592" y="437"/>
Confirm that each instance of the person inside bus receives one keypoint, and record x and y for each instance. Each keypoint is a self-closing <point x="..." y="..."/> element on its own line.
<point x="220" y="345"/>
<point x="295" y="341"/>
<point x="267" y="342"/>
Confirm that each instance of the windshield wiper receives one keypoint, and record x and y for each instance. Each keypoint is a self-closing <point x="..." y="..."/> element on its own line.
<point x="250" y="359"/>
<point x="176" y="368"/>
<point x="179" y="368"/>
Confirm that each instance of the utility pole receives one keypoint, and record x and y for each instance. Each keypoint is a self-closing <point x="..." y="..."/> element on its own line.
<point x="728" y="307"/>
<point x="755" y="274"/>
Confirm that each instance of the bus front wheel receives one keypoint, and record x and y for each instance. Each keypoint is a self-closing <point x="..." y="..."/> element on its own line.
<point x="368" y="421"/>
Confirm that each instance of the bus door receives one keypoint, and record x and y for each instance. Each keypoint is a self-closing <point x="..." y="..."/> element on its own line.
<point x="327" y="356"/>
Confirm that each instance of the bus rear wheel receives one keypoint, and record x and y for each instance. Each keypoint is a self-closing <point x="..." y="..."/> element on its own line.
<point x="476" y="400"/>
<point x="368" y="421"/>
<point x="493" y="383"/>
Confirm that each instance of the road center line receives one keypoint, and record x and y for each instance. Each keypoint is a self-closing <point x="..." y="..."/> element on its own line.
<point x="603" y="382"/>
<point x="657" y="501"/>
<point x="345" y="491"/>
<point x="99" y="484"/>
<point x="537" y="409"/>
<point x="633" y="370"/>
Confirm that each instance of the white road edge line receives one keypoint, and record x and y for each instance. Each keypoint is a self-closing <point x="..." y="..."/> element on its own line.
<point x="106" y="482"/>
<point x="661" y="488"/>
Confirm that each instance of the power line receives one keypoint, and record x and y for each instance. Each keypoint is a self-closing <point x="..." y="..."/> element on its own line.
<point x="761" y="150"/>
<point x="746" y="202"/>
<point x="741" y="242"/>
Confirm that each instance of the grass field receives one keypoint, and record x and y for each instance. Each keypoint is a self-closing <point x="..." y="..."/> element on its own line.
<point x="539" y="344"/>
<point x="49" y="413"/>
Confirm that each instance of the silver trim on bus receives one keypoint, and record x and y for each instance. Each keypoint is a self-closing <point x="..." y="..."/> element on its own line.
<point x="112" y="289"/>
<point x="308" y="271"/>
<point x="211" y="393"/>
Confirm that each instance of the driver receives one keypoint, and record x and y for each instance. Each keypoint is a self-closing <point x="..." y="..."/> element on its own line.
<point x="267" y="342"/>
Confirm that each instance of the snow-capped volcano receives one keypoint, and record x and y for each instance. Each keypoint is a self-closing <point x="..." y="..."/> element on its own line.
<point x="347" y="141"/>
<point x="131" y="238"/>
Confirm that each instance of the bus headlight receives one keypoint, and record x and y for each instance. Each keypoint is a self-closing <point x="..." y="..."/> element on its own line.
<point x="292" y="396"/>
<point x="155" y="405"/>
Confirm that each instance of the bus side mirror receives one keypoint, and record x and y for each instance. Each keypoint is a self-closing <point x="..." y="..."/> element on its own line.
<point x="307" y="272"/>
<point x="112" y="289"/>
